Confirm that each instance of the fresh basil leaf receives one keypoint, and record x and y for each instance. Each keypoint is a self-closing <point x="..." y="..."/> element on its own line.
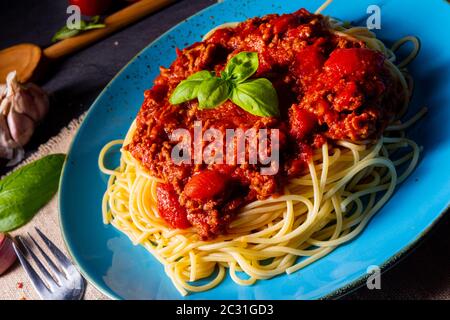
<point x="83" y="24"/>
<point x="65" y="33"/>
<point x="257" y="97"/>
<point x="241" y="67"/>
<point x="201" y="75"/>
<point x="188" y="89"/>
<point x="213" y="92"/>
<point x="25" y="191"/>
<point x="94" y="26"/>
<point x="95" y="19"/>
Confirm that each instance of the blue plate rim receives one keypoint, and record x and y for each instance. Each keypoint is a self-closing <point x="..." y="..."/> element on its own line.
<point x="335" y="294"/>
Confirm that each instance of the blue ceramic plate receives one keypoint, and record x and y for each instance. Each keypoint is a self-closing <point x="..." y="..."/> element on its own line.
<point x="123" y="271"/>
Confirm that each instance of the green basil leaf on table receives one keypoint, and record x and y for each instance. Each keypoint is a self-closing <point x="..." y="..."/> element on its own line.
<point x="28" y="189"/>
<point x="188" y="89"/>
<point x="94" y="26"/>
<point x="65" y="33"/>
<point x="95" y="19"/>
<point x="241" y="67"/>
<point x="213" y="92"/>
<point x="257" y="97"/>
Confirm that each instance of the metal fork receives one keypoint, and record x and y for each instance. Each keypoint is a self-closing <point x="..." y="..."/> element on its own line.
<point x="63" y="282"/>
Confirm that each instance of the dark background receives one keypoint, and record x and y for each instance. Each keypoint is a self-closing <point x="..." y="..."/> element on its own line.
<point x="76" y="82"/>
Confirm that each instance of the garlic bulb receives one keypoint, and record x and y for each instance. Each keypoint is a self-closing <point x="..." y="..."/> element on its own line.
<point x="22" y="106"/>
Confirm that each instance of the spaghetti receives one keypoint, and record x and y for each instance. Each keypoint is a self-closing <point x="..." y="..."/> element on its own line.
<point x="344" y="186"/>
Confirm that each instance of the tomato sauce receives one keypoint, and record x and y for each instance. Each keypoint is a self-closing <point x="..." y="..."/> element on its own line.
<point x="329" y="88"/>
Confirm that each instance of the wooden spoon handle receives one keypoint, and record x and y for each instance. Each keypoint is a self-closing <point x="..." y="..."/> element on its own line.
<point x="115" y="22"/>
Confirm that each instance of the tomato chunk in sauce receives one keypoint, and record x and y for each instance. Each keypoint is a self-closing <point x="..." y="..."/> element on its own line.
<point x="170" y="208"/>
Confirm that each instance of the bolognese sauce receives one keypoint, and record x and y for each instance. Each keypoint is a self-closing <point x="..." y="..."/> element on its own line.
<point x="329" y="87"/>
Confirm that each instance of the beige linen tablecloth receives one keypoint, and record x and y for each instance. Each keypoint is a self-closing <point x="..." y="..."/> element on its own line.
<point x="423" y="275"/>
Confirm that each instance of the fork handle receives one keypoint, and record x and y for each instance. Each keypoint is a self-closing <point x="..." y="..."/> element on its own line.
<point x="115" y="22"/>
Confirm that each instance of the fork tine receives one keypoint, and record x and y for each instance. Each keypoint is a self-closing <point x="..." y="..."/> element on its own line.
<point x="55" y="271"/>
<point x="37" y="282"/>
<point x="50" y="282"/>
<point x="60" y="257"/>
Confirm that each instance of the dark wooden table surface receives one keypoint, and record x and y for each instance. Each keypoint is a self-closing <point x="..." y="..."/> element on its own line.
<point x="423" y="274"/>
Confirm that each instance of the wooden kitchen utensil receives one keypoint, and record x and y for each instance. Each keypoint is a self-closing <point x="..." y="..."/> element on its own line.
<point x="30" y="60"/>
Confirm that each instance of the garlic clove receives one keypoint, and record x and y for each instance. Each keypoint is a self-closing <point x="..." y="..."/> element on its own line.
<point x="7" y="254"/>
<point x="24" y="103"/>
<point x="16" y="158"/>
<point x="40" y="99"/>
<point x="20" y="126"/>
<point x="2" y="91"/>
<point x="7" y="144"/>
